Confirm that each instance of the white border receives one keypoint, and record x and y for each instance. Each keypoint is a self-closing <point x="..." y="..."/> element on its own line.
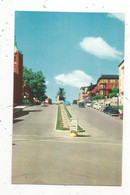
<point x="7" y="9"/>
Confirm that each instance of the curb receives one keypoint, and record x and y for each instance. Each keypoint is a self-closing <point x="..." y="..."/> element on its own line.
<point x="15" y="109"/>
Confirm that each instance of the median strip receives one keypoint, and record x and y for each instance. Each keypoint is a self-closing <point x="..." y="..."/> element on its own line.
<point x="63" y="119"/>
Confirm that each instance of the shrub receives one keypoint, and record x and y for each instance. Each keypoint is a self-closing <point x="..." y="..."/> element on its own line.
<point x="119" y="107"/>
<point x="113" y="95"/>
<point x="98" y="97"/>
<point x="26" y="102"/>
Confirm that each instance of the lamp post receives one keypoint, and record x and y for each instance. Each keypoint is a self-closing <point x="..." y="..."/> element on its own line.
<point x="25" y="98"/>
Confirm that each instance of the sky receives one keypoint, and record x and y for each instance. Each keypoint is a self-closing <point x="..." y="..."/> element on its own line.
<point x="72" y="49"/>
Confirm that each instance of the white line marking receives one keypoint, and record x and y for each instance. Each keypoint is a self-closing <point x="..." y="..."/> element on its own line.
<point x="69" y="142"/>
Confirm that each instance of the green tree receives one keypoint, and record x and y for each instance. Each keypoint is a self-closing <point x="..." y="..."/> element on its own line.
<point x="36" y="82"/>
<point x="61" y="94"/>
<point x="115" y="91"/>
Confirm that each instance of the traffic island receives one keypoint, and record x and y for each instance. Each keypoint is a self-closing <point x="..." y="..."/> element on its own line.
<point x="63" y="120"/>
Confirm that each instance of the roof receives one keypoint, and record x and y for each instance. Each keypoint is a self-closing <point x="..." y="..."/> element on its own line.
<point x="83" y="87"/>
<point x="15" y="47"/>
<point x="121" y="63"/>
<point x="91" y="87"/>
<point x="108" y="77"/>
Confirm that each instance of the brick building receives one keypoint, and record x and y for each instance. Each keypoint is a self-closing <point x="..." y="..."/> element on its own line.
<point x="90" y="93"/>
<point x="106" y="82"/>
<point x="18" y="76"/>
<point x="104" y="86"/>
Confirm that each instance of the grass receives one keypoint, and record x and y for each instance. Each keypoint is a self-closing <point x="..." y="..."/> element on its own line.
<point x="70" y="116"/>
<point x="59" y="121"/>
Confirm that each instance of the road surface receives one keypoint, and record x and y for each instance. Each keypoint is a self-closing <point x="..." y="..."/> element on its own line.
<point x="42" y="155"/>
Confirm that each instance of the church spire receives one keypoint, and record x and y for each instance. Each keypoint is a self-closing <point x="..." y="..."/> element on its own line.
<point x="15" y="46"/>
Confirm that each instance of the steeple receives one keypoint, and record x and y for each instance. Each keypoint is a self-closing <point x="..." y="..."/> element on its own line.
<point x="15" y="46"/>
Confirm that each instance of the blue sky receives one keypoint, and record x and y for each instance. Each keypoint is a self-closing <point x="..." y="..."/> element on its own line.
<point x="71" y="49"/>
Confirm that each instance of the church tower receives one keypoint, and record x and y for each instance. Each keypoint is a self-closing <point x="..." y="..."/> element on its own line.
<point x="18" y="75"/>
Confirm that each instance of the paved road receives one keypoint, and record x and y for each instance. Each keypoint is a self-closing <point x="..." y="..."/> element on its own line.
<point x="98" y="124"/>
<point x="43" y="156"/>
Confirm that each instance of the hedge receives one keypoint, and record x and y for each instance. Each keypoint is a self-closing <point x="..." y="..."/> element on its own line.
<point x="98" y="97"/>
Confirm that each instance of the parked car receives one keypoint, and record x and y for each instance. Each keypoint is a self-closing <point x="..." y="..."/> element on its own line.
<point x="102" y="107"/>
<point x="95" y="105"/>
<point x="92" y="104"/>
<point x="81" y="105"/>
<point x="75" y="102"/>
<point x="44" y="103"/>
<point x="99" y="106"/>
<point x="107" y="109"/>
<point x="88" y="104"/>
<point x="114" y="112"/>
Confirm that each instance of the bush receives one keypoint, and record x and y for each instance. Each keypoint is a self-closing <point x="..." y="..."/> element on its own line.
<point x="26" y="102"/>
<point x="98" y="97"/>
<point x="113" y="95"/>
<point x="119" y="107"/>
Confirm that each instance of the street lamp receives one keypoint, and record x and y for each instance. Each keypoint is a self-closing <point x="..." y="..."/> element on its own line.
<point x="25" y="97"/>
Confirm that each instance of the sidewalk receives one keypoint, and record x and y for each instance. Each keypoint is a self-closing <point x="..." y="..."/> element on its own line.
<point x="18" y="108"/>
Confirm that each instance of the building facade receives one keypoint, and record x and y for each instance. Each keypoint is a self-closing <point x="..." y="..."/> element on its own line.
<point x="121" y="82"/>
<point x="18" y="76"/>
<point x="105" y="84"/>
<point x="82" y="94"/>
<point x="90" y="93"/>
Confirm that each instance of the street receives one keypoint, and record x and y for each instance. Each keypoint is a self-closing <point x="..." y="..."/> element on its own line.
<point x="42" y="155"/>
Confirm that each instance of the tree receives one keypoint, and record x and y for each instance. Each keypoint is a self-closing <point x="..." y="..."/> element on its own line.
<point x="61" y="94"/>
<point x="115" y="91"/>
<point x="36" y="82"/>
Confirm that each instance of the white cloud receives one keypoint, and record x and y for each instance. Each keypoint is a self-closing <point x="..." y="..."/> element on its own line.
<point x="76" y="78"/>
<point x="98" y="47"/>
<point x="118" y="16"/>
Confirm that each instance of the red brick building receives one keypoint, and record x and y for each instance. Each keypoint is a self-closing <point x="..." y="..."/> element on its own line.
<point x="18" y="76"/>
<point x="105" y="84"/>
